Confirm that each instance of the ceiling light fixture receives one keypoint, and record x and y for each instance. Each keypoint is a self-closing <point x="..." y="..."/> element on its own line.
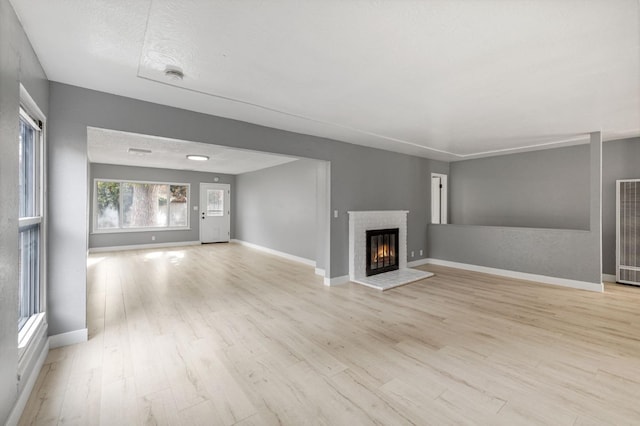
<point x="198" y="157"/>
<point x="174" y="73"/>
<point x="139" y="151"/>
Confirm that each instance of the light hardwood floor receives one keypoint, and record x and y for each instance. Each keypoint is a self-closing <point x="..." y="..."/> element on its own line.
<point x="223" y="334"/>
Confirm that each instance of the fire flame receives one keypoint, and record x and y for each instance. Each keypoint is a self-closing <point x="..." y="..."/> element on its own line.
<point x="384" y="251"/>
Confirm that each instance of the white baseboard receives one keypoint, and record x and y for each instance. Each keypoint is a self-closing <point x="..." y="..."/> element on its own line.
<point x="320" y="271"/>
<point x="143" y="246"/>
<point x="55" y="341"/>
<point x="336" y="280"/>
<point x="18" y="408"/>
<point x="69" y="338"/>
<point x="276" y="252"/>
<point x="581" y="285"/>
<point x="418" y="262"/>
<point x="609" y="278"/>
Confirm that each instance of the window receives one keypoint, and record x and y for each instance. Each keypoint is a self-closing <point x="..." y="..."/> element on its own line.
<point x="30" y="217"/>
<point x="134" y="206"/>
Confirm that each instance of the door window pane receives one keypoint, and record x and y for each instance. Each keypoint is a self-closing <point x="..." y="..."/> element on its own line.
<point x="215" y="202"/>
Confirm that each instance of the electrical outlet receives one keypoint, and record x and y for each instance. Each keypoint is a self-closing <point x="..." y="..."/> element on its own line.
<point x="412" y="253"/>
<point x="420" y="252"/>
<point x="153" y="238"/>
<point x="335" y="213"/>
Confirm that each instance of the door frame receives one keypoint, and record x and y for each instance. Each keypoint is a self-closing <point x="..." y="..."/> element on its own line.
<point x="442" y="210"/>
<point x="202" y="206"/>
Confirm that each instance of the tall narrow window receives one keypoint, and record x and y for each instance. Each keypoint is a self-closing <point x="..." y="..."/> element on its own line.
<point x="30" y="217"/>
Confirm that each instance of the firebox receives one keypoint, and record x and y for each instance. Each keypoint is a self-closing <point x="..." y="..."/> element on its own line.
<point x="382" y="250"/>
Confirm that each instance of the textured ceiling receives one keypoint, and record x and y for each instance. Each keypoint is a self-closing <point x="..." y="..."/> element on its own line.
<point x="112" y="147"/>
<point x="439" y="79"/>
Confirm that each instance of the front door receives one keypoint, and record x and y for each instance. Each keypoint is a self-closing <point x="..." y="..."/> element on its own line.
<point x="215" y="210"/>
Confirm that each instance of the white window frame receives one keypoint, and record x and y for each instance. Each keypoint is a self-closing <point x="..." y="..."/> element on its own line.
<point x="439" y="208"/>
<point x="94" y="226"/>
<point x="35" y="328"/>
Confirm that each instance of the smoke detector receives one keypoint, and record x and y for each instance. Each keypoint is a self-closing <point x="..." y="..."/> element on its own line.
<point x="174" y="73"/>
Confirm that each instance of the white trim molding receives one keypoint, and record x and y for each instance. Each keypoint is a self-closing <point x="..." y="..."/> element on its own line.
<point x="276" y="253"/>
<point x="56" y="341"/>
<point x="563" y="282"/>
<point x="418" y="262"/>
<point x="143" y="246"/>
<point x="329" y="282"/>
<point x="609" y="278"/>
<point x="320" y="271"/>
<point x="32" y="331"/>
<point x="27" y="388"/>
<point x="69" y="338"/>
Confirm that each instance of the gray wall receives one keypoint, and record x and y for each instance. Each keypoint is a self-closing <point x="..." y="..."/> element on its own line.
<point x="490" y="191"/>
<point x="361" y="178"/>
<point x="551" y="252"/>
<point x="323" y="216"/>
<point x="18" y="64"/>
<point x="569" y="254"/>
<point x="276" y="208"/>
<point x="110" y="171"/>
<point x="620" y="160"/>
<point x="540" y="189"/>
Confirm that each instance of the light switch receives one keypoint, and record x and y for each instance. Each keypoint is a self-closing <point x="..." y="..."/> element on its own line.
<point x="335" y="213"/>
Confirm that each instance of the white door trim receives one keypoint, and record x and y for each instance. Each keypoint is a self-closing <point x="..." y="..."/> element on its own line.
<point x="439" y="208"/>
<point x="203" y="206"/>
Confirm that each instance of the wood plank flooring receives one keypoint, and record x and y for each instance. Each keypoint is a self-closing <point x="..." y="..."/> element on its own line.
<point x="226" y="335"/>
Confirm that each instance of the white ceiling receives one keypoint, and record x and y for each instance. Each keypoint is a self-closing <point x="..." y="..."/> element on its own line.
<point x="439" y="79"/>
<point x="112" y="147"/>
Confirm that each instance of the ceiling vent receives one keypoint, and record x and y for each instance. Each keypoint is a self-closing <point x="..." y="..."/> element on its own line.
<point x="139" y="151"/>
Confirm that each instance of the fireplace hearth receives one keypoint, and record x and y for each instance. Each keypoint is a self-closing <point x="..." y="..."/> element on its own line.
<point x="382" y="250"/>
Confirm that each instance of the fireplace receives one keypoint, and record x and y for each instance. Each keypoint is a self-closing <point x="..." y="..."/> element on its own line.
<point x="382" y="250"/>
<point x="364" y="224"/>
